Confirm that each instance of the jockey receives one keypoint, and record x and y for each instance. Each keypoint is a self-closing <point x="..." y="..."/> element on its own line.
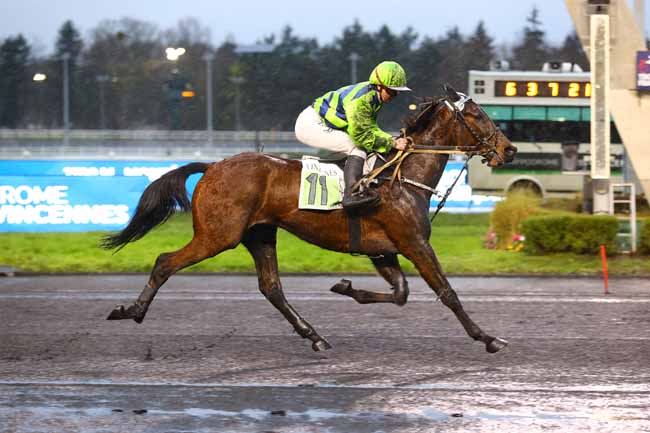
<point x="345" y="121"/>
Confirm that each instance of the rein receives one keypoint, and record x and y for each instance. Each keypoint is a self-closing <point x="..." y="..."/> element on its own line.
<point x="401" y="155"/>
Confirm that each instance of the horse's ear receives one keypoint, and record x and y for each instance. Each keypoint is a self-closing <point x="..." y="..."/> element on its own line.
<point x="451" y="92"/>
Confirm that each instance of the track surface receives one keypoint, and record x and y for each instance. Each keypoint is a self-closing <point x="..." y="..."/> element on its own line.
<point x="214" y="355"/>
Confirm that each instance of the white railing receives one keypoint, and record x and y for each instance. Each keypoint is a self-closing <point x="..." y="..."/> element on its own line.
<point x="144" y="144"/>
<point x="145" y="135"/>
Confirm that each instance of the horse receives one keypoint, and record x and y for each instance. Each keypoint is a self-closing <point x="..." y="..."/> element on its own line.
<point x="245" y="198"/>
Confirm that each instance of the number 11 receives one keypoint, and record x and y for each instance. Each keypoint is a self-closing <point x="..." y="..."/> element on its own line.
<point x="312" y="179"/>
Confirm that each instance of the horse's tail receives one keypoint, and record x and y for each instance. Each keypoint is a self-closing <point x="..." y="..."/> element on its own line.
<point x="158" y="202"/>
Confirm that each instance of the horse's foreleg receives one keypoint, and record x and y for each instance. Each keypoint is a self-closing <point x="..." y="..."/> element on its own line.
<point x="166" y="265"/>
<point x="388" y="267"/>
<point x="424" y="258"/>
<point x="260" y="241"/>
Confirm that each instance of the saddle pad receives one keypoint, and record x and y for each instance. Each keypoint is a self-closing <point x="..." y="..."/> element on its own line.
<point x="321" y="185"/>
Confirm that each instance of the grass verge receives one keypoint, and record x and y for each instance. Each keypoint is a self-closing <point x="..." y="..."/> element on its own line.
<point x="457" y="240"/>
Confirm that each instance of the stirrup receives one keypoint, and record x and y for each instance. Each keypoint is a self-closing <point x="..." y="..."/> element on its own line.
<point x="357" y="201"/>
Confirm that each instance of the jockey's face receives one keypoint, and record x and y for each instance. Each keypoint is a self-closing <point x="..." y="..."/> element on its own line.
<point x="386" y="94"/>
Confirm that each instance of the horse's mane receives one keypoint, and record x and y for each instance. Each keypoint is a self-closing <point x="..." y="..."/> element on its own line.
<point x="422" y="118"/>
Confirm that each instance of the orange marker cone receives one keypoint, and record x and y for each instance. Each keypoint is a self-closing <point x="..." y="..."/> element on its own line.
<point x="603" y="258"/>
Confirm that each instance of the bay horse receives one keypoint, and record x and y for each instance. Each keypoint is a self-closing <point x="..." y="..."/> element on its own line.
<point x="245" y="198"/>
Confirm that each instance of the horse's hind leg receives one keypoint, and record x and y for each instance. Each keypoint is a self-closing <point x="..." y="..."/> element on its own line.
<point x="166" y="265"/>
<point x="388" y="267"/>
<point x="260" y="241"/>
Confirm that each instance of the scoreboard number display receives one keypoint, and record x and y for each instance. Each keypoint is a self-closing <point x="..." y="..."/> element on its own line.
<point x="542" y="89"/>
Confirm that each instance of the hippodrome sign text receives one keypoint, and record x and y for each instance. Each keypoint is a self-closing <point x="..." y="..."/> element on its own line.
<point x="33" y="204"/>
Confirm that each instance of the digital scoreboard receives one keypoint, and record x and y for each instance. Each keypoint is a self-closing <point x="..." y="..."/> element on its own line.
<point x="530" y="88"/>
<point x="542" y="89"/>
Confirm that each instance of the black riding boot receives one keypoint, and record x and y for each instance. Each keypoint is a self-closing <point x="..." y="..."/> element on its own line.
<point x="351" y="174"/>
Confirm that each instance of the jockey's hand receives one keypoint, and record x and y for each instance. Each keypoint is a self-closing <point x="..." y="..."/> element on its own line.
<point x="400" y="143"/>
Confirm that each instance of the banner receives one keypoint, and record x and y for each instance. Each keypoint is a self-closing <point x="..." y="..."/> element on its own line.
<point x="65" y="196"/>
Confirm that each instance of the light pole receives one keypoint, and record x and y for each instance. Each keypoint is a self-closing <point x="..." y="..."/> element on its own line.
<point x="354" y="58"/>
<point x="66" y="99"/>
<point x="175" y="88"/>
<point x="208" y="57"/>
<point x="102" y="79"/>
<point x="237" y="80"/>
<point x="40" y="78"/>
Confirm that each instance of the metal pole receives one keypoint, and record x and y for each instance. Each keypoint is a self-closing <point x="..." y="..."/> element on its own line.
<point x="237" y="108"/>
<point x="66" y="99"/>
<point x="237" y="81"/>
<point x="354" y="57"/>
<point x="209" y="57"/>
<point x="102" y="109"/>
<point x="102" y="79"/>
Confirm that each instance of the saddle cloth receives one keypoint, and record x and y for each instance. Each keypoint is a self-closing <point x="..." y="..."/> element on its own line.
<point x="322" y="184"/>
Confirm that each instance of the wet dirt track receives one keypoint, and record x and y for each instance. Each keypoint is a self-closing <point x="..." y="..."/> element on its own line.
<point x="214" y="355"/>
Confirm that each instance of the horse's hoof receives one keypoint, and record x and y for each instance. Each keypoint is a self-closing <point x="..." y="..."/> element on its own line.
<point x="118" y="313"/>
<point x="320" y="345"/>
<point x="343" y="287"/>
<point x="132" y="312"/>
<point x="496" y="344"/>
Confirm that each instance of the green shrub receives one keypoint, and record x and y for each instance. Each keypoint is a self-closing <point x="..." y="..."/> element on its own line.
<point x="545" y="233"/>
<point x="581" y="234"/>
<point x="644" y="238"/>
<point x="506" y="218"/>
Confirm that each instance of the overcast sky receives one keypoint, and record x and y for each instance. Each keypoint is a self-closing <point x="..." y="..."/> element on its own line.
<point x="247" y="21"/>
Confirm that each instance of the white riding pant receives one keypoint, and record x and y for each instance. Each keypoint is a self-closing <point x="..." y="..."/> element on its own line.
<point x="312" y="131"/>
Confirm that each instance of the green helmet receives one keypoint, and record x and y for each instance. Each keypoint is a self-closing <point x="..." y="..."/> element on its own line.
<point x="389" y="74"/>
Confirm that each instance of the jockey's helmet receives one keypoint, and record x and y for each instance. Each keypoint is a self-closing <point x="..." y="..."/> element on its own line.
<point x="389" y="74"/>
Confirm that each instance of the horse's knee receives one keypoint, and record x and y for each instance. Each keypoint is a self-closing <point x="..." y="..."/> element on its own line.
<point x="401" y="294"/>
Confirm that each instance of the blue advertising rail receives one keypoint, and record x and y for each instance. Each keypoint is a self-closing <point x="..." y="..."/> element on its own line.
<point x="89" y="195"/>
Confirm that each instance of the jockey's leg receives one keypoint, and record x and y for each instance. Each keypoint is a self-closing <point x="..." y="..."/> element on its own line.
<point x="353" y="171"/>
<point x="311" y="130"/>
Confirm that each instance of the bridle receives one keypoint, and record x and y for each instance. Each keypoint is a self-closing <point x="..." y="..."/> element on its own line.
<point x="484" y="145"/>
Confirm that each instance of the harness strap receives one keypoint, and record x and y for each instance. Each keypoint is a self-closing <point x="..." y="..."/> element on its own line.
<point x="354" y="230"/>
<point x="414" y="183"/>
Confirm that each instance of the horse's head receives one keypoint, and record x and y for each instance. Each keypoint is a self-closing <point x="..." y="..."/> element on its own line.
<point x="456" y="120"/>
